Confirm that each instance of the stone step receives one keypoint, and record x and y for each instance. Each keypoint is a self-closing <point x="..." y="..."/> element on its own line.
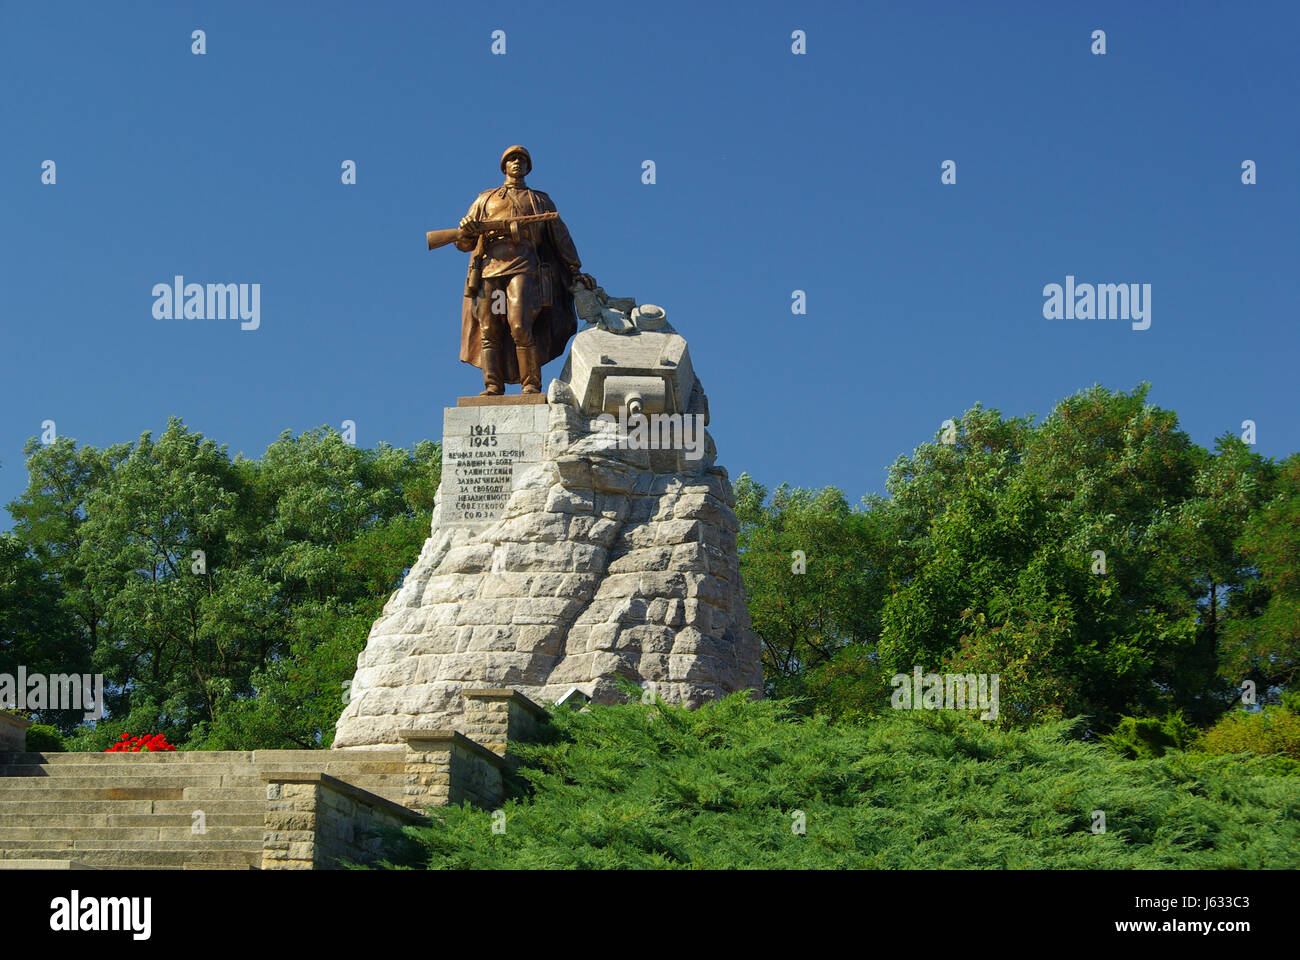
<point x="74" y="806"/>
<point x="80" y="845"/>
<point x="97" y="837"/>
<point x="149" y="860"/>
<point x="253" y="780"/>
<point x="10" y="786"/>
<point x="179" y="791"/>
<point x="46" y="865"/>
<point x="182" y="757"/>
<point x="31" y="796"/>
<point x="386" y="755"/>
<point x="337" y="768"/>
<point x="222" y="806"/>
<point x="135" y="811"/>
<point x="112" y="759"/>
<point x="102" y="773"/>
<point x="38" y="818"/>
<point x="191" y="865"/>
<point x="100" y="808"/>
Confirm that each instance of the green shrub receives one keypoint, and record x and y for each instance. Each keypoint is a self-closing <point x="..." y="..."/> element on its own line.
<point x="1147" y="738"/>
<point x="44" y="739"/>
<point x="742" y="784"/>
<point x="1272" y="732"/>
<point x="851" y="687"/>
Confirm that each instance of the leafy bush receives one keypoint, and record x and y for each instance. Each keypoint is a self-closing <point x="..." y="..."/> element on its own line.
<point x="1146" y="738"/>
<point x="728" y="786"/>
<point x="850" y="687"/>
<point x="42" y="738"/>
<point x="99" y="735"/>
<point x="1271" y="732"/>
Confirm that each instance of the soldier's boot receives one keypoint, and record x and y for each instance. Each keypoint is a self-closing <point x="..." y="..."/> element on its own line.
<point x="530" y="371"/>
<point x="493" y="378"/>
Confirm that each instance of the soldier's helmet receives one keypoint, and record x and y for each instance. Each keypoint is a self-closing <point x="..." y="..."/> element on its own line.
<point x="519" y="151"/>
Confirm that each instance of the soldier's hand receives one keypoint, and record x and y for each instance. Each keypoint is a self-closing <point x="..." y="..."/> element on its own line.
<point x="471" y="227"/>
<point x="586" y="279"/>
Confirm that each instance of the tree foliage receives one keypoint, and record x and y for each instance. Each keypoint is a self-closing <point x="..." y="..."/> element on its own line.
<point x="225" y="600"/>
<point x="1262" y="632"/>
<point x="815" y="577"/>
<point x="1099" y="562"/>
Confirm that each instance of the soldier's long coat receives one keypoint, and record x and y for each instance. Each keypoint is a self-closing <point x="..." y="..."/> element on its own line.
<point x="556" y="321"/>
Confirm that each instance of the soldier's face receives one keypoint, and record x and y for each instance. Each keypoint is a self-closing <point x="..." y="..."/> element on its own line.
<point x="516" y="166"/>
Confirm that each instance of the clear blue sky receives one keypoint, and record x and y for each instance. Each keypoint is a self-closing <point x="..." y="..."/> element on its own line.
<point x="775" y="172"/>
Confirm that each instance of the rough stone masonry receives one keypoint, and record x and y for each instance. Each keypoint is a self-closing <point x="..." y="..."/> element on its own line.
<point x="562" y="556"/>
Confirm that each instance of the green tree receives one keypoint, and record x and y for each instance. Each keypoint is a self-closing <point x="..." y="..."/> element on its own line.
<point x="1005" y="534"/>
<point x="294" y="701"/>
<point x="161" y="547"/>
<point x="1262" y="631"/>
<point x="36" y="630"/>
<point x="48" y="518"/>
<point x="815" y="574"/>
<point x="342" y="525"/>
<point x="1204" y="541"/>
<point x="225" y="601"/>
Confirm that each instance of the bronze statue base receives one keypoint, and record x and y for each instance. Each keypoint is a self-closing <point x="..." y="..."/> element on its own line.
<point x="501" y="400"/>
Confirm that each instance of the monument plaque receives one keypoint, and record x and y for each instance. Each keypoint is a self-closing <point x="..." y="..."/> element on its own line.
<point x="485" y="451"/>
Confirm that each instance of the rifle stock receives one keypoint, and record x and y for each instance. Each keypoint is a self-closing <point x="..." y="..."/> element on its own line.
<point x="440" y="238"/>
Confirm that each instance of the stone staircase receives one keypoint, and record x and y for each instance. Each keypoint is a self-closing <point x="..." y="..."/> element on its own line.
<point x="139" y="810"/>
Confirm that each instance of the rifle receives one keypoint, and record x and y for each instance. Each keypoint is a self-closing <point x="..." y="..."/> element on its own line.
<point x="440" y="238"/>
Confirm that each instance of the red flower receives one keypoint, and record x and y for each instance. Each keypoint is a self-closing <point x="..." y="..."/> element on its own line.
<point x="152" y="742"/>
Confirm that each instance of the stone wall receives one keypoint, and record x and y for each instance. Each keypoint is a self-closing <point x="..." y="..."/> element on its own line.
<point x="315" y="822"/>
<point x="495" y="717"/>
<point x="13" y="732"/>
<point x="446" y="768"/>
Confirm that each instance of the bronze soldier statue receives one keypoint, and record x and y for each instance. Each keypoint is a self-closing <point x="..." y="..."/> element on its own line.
<point x="517" y="312"/>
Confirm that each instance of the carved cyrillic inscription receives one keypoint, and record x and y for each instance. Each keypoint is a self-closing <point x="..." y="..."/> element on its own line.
<point x="484" y="450"/>
<point x="483" y="478"/>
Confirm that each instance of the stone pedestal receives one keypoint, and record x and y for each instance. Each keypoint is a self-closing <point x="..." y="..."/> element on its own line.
<point x="562" y="555"/>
